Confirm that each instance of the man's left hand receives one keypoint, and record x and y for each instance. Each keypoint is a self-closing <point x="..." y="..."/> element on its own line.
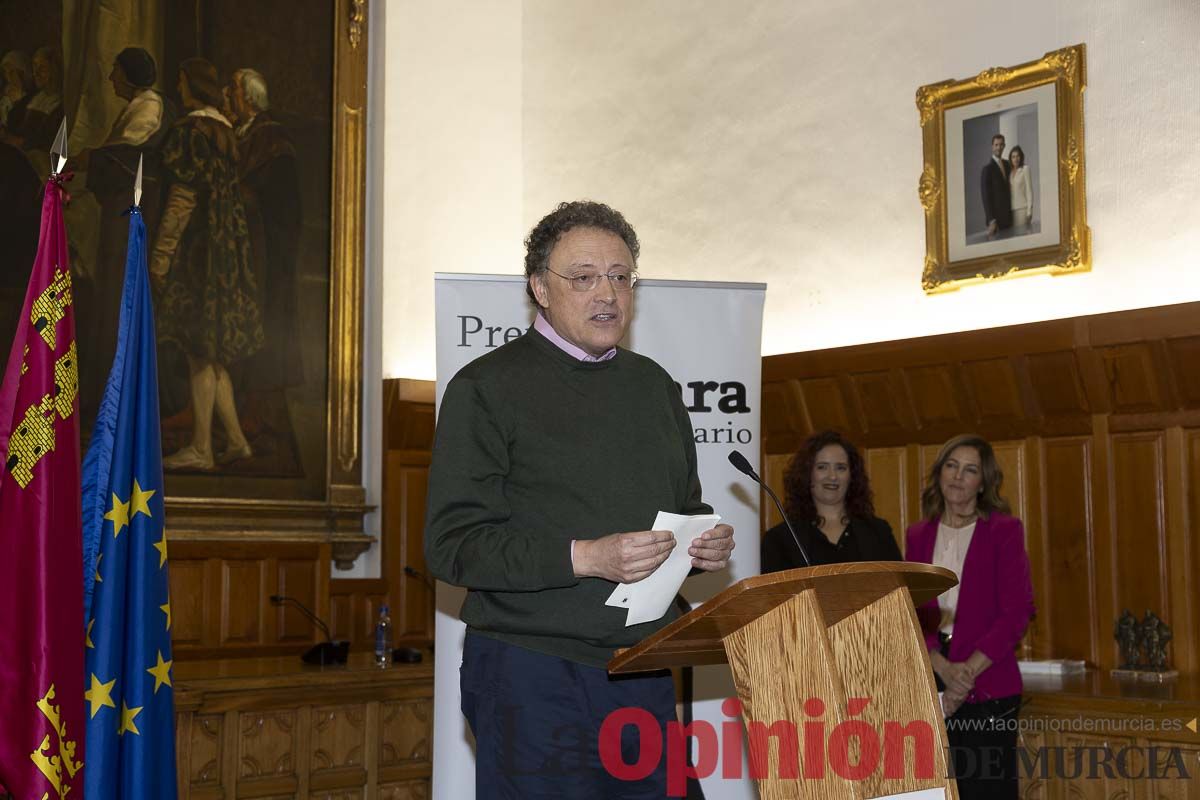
<point x="711" y="551"/>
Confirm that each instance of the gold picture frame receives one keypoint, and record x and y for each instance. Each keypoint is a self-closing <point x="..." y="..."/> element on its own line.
<point x="1039" y="103"/>
<point x="336" y="519"/>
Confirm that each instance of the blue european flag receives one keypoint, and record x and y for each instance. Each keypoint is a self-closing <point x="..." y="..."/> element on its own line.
<point x="130" y="748"/>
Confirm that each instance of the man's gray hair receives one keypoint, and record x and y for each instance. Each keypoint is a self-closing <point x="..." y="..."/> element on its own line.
<point x="254" y="88"/>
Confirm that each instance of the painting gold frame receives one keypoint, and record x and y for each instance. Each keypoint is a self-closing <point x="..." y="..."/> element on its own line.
<point x="336" y="519"/>
<point x="1063" y="69"/>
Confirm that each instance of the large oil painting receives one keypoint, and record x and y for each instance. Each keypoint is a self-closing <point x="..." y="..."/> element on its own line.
<point x="232" y="108"/>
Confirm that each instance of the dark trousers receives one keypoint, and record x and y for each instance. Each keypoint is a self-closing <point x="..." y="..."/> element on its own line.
<point x="983" y="749"/>
<point x="537" y="719"/>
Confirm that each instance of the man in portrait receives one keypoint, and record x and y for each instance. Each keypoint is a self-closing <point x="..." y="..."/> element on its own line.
<point x="993" y="181"/>
<point x="553" y="455"/>
<point x="269" y="177"/>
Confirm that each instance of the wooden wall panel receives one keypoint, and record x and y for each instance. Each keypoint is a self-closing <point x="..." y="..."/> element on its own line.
<point x="188" y="601"/>
<point x="935" y="397"/>
<point x="886" y="467"/>
<point x="297" y="579"/>
<point x="242" y="614"/>
<point x="1057" y="384"/>
<point x="1067" y="610"/>
<point x="1184" y="354"/>
<point x="825" y="404"/>
<point x="773" y="468"/>
<point x="1096" y="422"/>
<point x="1132" y="380"/>
<point x="1181" y="562"/>
<point x="1011" y="457"/>
<point x="1139" y="543"/>
<point x="993" y="384"/>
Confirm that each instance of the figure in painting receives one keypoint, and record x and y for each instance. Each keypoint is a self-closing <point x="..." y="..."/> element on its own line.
<point x="201" y="262"/>
<point x="42" y="115"/>
<point x="267" y="173"/>
<point x="18" y="88"/>
<point x="138" y="131"/>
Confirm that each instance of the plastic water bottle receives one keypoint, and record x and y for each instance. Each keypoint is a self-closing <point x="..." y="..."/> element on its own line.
<point x="383" y="639"/>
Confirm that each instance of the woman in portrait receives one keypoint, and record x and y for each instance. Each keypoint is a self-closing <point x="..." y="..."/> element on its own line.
<point x="973" y="629"/>
<point x="1021" y="190"/>
<point x="18" y="88"/>
<point x="200" y="261"/>
<point x="828" y="499"/>
<point x="43" y="113"/>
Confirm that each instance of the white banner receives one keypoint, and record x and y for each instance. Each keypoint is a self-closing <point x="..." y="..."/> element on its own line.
<point x="708" y="337"/>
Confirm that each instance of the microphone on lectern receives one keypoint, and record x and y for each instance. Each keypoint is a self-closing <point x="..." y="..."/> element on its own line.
<point x="743" y="466"/>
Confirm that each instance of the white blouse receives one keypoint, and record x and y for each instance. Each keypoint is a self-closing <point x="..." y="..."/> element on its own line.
<point x="949" y="551"/>
<point x="1021" y="189"/>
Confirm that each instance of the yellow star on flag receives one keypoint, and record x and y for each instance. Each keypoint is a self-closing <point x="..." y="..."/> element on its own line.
<point x="88" y="636"/>
<point x="161" y="672"/>
<point x="138" y="500"/>
<point x="99" y="558"/>
<point x="166" y="609"/>
<point x="119" y="514"/>
<point x="161" y="547"/>
<point x="127" y="715"/>
<point x="100" y="694"/>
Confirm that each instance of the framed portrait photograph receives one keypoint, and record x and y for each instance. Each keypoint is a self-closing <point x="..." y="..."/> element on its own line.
<point x="1003" y="181"/>
<point x="253" y="187"/>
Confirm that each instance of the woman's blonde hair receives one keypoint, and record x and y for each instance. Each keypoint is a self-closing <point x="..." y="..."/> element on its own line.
<point x="933" y="504"/>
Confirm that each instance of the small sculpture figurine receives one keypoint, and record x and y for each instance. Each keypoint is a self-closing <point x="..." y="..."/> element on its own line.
<point x="1158" y="656"/>
<point x="1155" y="635"/>
<point x="1126" y="634"/>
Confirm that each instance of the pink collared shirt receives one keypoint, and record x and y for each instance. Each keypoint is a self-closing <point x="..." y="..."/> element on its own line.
<point x="543" y="326"/>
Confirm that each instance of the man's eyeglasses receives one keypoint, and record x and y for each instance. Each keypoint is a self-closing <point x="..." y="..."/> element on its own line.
<point x="621" y="280"/>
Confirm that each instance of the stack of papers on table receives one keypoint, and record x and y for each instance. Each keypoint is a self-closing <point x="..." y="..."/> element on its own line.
<point x="1052" y="666"/>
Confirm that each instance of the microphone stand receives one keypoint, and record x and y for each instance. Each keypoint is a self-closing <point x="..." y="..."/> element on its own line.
<point x="411" y="655"/>
<point x="326" y="652"/>
<point x="740" y="463"/>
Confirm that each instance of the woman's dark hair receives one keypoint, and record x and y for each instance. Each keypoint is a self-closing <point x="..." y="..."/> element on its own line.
<point x="1016" y="148"/>
<point x="202" y="81"/>
<point x="933" y="504"/>
<point x="797" y="480"/>
<point x="577" y="214"/>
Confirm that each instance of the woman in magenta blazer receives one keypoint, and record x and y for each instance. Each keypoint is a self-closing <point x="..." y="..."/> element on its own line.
<point x="973" y="629"/>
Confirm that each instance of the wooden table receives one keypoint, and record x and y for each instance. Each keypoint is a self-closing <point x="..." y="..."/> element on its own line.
<point x="1096" y="737"/>
<point x="276" y="727"/>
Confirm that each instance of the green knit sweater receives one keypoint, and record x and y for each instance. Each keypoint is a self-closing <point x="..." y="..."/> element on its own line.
<point x="535" y="448"/>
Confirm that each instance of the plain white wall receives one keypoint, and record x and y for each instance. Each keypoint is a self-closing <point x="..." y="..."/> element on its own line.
<point x="771" y="141"/>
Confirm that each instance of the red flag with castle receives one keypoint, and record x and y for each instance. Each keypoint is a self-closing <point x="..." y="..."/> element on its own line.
<point x="41" y="581"/>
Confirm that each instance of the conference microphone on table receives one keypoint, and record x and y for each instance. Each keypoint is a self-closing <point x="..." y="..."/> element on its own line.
<point x="328" y="651"/>
<point x="743" y="466"/>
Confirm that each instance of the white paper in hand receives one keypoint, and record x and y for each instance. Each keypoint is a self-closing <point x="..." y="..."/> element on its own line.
<point x="649" y="598"/>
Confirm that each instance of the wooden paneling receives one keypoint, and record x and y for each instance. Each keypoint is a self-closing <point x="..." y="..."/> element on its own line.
<point x="1067" y="602"/>
<point x="1138" y="577"/>
<point x="220" y="597"/>
<point x="1096" y="423"/>
<point x="993" y="384"/>
<point x="889" y="480"/>
<point x="273" y="727"/>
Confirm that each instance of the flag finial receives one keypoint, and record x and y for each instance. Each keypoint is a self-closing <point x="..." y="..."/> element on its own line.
<point x="137" y="184"/>
<point x="58" y="150"/>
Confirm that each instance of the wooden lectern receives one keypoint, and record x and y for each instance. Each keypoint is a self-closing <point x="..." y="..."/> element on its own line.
<point x="834" y="633"/>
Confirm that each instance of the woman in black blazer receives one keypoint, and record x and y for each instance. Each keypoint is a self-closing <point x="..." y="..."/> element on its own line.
<point x="828" y="499"/>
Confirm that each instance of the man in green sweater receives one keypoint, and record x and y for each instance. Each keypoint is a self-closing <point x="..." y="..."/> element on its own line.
<point x="553" y="455"/>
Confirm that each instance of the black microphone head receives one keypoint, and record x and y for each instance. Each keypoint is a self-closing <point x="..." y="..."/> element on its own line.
<point x="276" y="598"/>
<point x="740" y="463"/>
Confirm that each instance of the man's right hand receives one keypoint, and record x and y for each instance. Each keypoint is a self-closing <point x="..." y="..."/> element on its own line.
<point x="622" y="557"/>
